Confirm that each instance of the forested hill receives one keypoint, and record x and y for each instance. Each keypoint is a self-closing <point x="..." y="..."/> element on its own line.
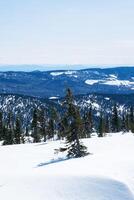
<point x="54" y="83"/>
<point x="24" y="105"/>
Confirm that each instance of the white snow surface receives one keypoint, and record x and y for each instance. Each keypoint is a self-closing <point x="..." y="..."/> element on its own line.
<point x="119" y="82"/>
<point x="51" y="98"/>
<point x="91" y="82"/>
<point x="113" y="81"/>
<point x="113" y="76"/>
<point x="61" y="73"/>
<point x="33" y="171"/>
<point x="56" y="73"/>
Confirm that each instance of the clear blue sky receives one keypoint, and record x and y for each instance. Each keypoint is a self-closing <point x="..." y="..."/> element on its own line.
<point x="67" y="32"/>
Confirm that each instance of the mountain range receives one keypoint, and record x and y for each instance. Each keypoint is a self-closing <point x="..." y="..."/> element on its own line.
<point x="21" y="92"/>
<point x="53" y="84"/>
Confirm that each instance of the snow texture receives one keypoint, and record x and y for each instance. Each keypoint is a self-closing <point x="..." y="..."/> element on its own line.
<point x="33" y="171"/>
<point x="91" y="82"/>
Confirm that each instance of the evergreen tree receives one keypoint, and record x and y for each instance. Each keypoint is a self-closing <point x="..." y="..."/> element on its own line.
<point x="107" y="125"/>
<point x="131" y="119"/>
<point x="53" y="122"/>
<point x="62" y="127"/>
<point x="17" y="135"/>
<point x="115" y="120"/>
<point x="27" y="131"/>
<point x="1" y="126"/>
<point x="42" y="123"/>
<point x="5" y="138"/>
<point x="101" y="127"/>
<point x="8" y="131"/>
<point x="88" y="122"/>
<point x="50" y="129"/>
<point x="74" y="146"/>
<point x="123" y="123"/>
<point x="35" y="130"/>
<point x="22" y="139"/>
<point x="131" y="114"/>
<point x="127" y="122"/>
<point x="8" y="136"/>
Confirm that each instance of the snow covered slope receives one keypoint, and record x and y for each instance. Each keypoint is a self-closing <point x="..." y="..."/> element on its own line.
<point x="32" y="171"/>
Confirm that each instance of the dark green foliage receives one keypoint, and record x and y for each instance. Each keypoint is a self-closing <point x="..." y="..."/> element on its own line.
<point x="1" y="126"/>
<point x="115" y="123"/>
<point x="127" y="121"/>
<point x="62" y="127"/>
<point x="42" y="123"/>
<point x="124" y="123"/>
<point x="131" y="119"/>
<point x="70" y="122"/>
<point x="101" y="127"/>
<point x="107" y="124"/>
<point x="35" y="130"/>
<point x="53" y="123"/>
<point x="75" y="127"/>
<point x="88" y="123"/>
<point x="8" y="131"/>
<point x="17" y="131"/>
<point x="27" y="132"/>
<point x="50" y="129"/>
<point x="8" y="136"/>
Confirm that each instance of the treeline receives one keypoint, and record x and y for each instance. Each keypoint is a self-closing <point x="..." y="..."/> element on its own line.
<point x="54" y="124"/>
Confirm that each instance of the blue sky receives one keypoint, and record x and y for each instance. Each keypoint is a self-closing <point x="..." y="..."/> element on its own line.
<point x="90" y="32"/>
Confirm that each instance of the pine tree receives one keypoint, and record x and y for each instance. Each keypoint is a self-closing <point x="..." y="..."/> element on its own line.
<point x="88" y="122"/>
<point x="131" y="119"/>
<point x="115" y="120"/>
<point x="1" y="126"/>
<point x="74" y="146"/>
<point x="101" y="128"/>
<point x="18" y="131"/>
<point x="50" y="129"/>
<point x="127" y="121"/>
<point x="27" y="131"/>
<point x="8" y="130"/>
<point x="62" y="127"/>
<point x="8" y="136"/>
<point x="35" y="130"/>
<point x="5" y="138"/>
<point x="123" y="123"/>
<point x="22" y="139"/>
<point x="53" y="121"/>
<point x="107" y="124"/>
<point x="42" y="123"/>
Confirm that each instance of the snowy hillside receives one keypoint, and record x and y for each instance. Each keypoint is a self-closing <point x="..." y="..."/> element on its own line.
<point x="24" y="105"/>
<point x="33" y="171"/>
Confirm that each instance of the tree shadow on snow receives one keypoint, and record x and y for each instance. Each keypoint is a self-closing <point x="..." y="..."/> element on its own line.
<point x="41" y="144"/>
<point x="52" y="161"/>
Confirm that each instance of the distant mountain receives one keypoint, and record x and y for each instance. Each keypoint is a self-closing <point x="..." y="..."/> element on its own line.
<point x="52" y="84"/>
<point x="41" y="67"/>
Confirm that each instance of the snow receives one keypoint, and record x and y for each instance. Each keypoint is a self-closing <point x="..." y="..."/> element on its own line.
<point x="33" y="171"/>
<point x="51" y="98"/>
<point x="65" y="72"/>
<point x="113" y="76"/>
<point x="70" y="72"/>
<point x="56" y="73"/>
<point x="121" y="108"/>
<point x="118" y="82"/>
<point x="95" y="106"/>
<point x="107" y="98"/>
<point x="111" y="80"/>
<point x="91" y="82"/>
